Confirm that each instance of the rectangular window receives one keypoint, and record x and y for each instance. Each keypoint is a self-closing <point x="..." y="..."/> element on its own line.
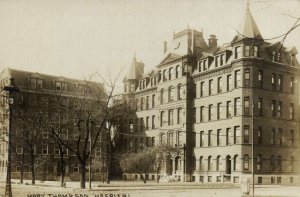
<point x="33" y="83"/>
<point x="292" y="85"/>
<point x="153" y="122"/>
<point x="255" y="51"/>
<point x="229" y="83"/>
<point x="202" y="114"/>
<point x="39" y="83"/>
<point x="45" y="149"/>
<point x="19" y="149"/>
<point x="194" y="115"/>
<point x="147" y="102"/>
<point x="204" y="65"/>
<point x="273" y="81"/>
<point x="246" y="106"/>
<point x="279" y="107"/>
<point x="153" y="100"/>
<point x="237" y="78"/>
<point x="292" y="111"/>
<point x="219" y="134"/>
<point x="260" y="79"/>
<point x="219" y="110"/>
<point x="247" y="51"/>
<point x="202" y="89"/>
<point x="259" y="135"/>
<point x="210" y="112"/>
<point x="56" y="150"/>
<point x="201" y="138"/>
<point x="220" y="84"/>
<point x="228" y="131"/>
<point x="142" y="124"/>
<point x="228" y="109"/>
<point x="210" y="87"/>
<point x="179" y="116"/>
<point x="247" y="77"/>
<point x="273" y="136"/>
<point x="246" y="134"/>
<point x="217" y="60"/>
<point x="292" y="137"/>
<point x="147" y="122"/>
<point x="209" y="142"/>
<point x="260" y="106"/>
<point x="236" y="135"/>
<point x="223" y="61"/>
<point x="237" y="106"/>
<point x="162" y="118"/>
<point x="131" y="126"/>
<point x="273" y="108"/>
<point x="200" y="66"/>
<point x="280" y="80"/>
<point x="171" y="121"/>
<point x="279" y="137"/>
<point x="237" y="52"/>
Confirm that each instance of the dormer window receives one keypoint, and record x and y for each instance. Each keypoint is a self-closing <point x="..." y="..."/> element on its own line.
<point x="80" y="88"/>
<point x="237" y="52"/>
<point x="61" y="86"/>
<point x="217" y="60"/>
<point x="199" y="66"/>
<point x="255" y="51"/>
<point x="131" y="87"/>
<point x="204" y="65"/>
<point x="247" y="51"/>
<point x="273" y="56"/>
<point x="36" y="83"/>
<point x="222" y="60"/>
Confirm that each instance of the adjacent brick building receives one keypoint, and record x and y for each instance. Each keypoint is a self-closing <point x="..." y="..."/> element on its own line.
<point x="215" y="102"/>
<point x="36" y="93"/>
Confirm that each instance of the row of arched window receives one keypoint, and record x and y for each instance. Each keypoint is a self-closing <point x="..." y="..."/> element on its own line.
<point x="171" y="93"/>
<point x="172" y="73"/>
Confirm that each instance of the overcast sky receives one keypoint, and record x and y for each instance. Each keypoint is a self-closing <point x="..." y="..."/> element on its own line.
<point x="75" y="38"/>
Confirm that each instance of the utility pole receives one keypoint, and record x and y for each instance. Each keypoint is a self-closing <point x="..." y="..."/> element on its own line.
<point x="252" y="146"/>
<point x="11" y="88"/>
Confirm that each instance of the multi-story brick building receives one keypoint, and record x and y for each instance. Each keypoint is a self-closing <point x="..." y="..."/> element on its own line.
<point x="215" y="102"/>
<point x="45" y="100"/>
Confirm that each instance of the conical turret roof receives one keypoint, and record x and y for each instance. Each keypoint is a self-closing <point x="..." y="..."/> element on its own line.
<point x="135" y="71"/>
<point x="248" y="27"/>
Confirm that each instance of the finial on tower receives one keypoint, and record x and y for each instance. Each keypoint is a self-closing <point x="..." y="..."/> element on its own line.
<point x="248" y="5"/>
<point x="188" y="26"/>
<point x="134" y="54"/>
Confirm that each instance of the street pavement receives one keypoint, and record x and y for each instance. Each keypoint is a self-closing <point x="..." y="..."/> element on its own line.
<point x="150" y="189"/>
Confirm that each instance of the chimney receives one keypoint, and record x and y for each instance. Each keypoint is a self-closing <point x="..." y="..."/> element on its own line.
<point x="212" y="41"/>
<point x="165" y="46"/>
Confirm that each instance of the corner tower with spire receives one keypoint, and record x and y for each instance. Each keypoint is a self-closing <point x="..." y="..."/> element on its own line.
<point x="135" y="73"/>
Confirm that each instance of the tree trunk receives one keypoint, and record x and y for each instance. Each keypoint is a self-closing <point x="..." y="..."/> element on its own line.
<point x="143" y="178"/>
<point x="32" y="168"/>
<point x="157" y="171"/>
<point x="82" y="177"/>
<point x="107" y="172"/>
<point x="62" y="168"/>
<point x="21" y="173"/>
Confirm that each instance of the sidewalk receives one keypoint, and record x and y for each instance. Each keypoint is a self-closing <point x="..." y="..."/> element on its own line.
<point x="132" y="185"/>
